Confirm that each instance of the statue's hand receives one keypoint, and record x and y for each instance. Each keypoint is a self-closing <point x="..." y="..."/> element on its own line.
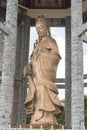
<point x="27" y="70"/>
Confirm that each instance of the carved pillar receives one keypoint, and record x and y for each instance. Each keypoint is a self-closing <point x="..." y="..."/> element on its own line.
<point x="68" y="71"/>
<point x="77" y="102"/>
<point x="20" y="88"/>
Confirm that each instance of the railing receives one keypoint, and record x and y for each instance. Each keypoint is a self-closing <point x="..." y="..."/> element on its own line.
<point x="37" y="129"/>
<point x="31" y="128"/>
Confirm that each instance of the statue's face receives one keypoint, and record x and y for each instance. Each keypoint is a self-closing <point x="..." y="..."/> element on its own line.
<point x="41" y="29"/>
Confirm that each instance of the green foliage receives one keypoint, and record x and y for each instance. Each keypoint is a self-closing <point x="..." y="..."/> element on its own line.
<point x="85" y="113"/>
<point x="28" y="119"/>
<point x="46" y="128"/>
<point x="85" y="96"/>
<point x="61" y="118"/>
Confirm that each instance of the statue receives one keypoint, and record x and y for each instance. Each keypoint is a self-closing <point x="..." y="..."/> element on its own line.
<point x="42" y="100"/>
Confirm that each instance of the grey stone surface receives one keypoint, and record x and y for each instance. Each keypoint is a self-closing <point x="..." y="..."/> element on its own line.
<point x="1" y="49"/>
<point x="82" y="29"/>
<point x="6" y="90"/>
<point x="2" y="19"/>
<point x="68" y="72"/>
<point x="4" y="29"/>
<point x="84" y="38"/>
<point x="82" y="33"/>
<point x="77" y="102"/>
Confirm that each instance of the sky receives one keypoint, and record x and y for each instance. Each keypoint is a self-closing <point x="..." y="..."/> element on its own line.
<point x="58" y="33"/>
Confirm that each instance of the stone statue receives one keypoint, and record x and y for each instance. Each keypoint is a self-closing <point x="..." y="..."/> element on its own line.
<point x="42" y="99"/>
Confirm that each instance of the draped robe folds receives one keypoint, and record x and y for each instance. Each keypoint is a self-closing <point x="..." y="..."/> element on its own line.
<point x="43" y="94"/>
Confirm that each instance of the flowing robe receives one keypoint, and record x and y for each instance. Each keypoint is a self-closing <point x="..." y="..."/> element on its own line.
<point x="43" y="94"/>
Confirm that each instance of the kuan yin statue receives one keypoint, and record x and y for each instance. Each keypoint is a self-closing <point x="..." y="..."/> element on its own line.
<point x="42" y="102"/>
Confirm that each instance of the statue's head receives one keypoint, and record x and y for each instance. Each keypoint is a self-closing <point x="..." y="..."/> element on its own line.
<point x="42" y="27"/>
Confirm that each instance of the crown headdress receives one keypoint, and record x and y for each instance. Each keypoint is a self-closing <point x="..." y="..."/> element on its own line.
<point x="41" y="19"/>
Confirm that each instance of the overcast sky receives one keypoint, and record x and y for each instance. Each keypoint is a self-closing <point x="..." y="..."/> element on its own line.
<point x="58" y="33"/>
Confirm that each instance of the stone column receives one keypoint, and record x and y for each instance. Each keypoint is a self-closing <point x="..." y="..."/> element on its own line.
<point x="1" y="49"/>
<point x="24" y="61"/>
<point x="1" y="54"/>
<point x="2" y="19"/>
<point x="8" y="68"/>
<point x="20" y="85"/>
<point x="77" y="102"/>
<point x="68" y="71"/>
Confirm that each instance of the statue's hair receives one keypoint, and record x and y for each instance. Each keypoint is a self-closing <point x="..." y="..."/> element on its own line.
<point x="42" y="19"/>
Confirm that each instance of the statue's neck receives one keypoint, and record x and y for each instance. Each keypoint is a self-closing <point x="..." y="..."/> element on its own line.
<point x="41" y="38"/>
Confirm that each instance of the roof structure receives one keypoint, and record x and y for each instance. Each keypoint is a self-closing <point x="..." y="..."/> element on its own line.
<point x="46" y="4"/>
<point x="43" y="4"/>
